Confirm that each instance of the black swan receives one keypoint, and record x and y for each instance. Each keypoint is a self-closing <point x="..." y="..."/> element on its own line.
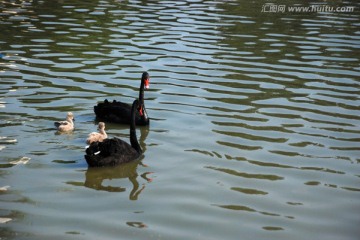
<point x="119" y="112"/>
<point x="114" y="151"/>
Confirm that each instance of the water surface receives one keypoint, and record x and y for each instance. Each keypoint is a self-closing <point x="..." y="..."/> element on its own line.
<point x="255" y="120"/>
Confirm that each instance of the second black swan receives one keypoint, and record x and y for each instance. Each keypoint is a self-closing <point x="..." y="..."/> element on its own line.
<point x="119" y="112"/>
<point x="115" y="151"/>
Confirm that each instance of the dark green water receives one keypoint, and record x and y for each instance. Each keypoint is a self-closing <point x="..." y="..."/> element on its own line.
<point x="255" y="120"/>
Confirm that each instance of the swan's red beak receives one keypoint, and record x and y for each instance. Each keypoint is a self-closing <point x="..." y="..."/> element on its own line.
<point x="141" y="111"/>
<point x="147" y="83"/>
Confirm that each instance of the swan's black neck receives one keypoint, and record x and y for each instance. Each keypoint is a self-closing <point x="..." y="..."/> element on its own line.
<point x="144" y="77"/>
<point x="141" y="92"/>
<point x="133" y="139"/>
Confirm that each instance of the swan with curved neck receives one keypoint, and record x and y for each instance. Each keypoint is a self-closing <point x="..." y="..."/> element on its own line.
<point x="114" y="151"/>
<point x="119" y="112"/>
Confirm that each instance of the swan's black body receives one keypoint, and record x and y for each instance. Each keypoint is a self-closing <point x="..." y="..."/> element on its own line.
<point x="119" y="112"/>
<point x="115" y="151"/>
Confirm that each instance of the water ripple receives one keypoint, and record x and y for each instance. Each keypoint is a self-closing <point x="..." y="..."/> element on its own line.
<point x="255" y="115"/>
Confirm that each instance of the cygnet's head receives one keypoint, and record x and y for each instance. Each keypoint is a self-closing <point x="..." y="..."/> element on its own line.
<point x="70" y="116"/>
<point x="101" y="126"/>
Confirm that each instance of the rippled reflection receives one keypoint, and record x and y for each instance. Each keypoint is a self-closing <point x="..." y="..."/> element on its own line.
<point x="98" y="178"/>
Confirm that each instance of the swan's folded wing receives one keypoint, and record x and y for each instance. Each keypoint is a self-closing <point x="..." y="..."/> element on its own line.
<point x="61" y="123"/>
<point x="92" y="134"/>
<point x="93" y="137"/>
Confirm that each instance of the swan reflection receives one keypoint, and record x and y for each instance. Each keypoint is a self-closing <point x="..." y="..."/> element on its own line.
<point x="95" y="177"/>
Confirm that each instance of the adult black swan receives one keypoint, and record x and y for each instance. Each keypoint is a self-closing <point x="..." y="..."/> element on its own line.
<point x="119" y="112"/>
<point x="114" y="151"/>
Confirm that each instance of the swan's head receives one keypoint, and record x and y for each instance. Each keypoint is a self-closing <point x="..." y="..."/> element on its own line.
<point x="101" y="126"/>
<point x="70" y="116"/>
<point x="146" y="78"/>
